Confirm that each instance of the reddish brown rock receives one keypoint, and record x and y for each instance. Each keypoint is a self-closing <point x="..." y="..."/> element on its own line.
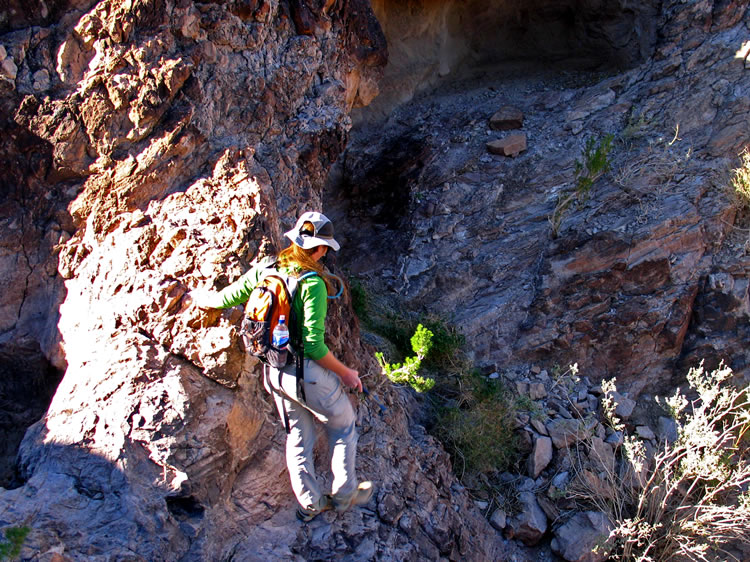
<point x="507" y="118"/>
<point x="512" y="145"/>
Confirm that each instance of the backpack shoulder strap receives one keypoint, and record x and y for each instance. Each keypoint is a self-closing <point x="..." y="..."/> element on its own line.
<point x="292" y="282"/>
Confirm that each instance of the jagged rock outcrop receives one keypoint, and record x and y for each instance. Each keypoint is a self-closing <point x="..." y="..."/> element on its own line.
<point x="156" y="146"/>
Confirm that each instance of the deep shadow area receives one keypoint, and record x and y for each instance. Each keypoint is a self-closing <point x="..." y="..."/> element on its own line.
<point x="27" y="384"/>
<point x="431" y="43"/>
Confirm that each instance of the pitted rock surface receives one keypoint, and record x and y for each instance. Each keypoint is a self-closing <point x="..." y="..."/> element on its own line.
<point x="155" y="147"/>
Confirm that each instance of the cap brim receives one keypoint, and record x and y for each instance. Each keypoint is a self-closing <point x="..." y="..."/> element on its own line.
<point x="308" y="242"/>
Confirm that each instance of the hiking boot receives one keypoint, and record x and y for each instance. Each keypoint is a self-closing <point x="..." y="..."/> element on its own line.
<point x="361" y="496"/>
<point x="306" y="514"/>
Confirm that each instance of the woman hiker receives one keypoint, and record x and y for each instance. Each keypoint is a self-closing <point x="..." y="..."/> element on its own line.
<point x="324" y="398"/>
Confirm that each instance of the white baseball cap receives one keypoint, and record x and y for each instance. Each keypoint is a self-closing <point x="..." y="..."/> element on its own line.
<point x="321" y="235"/>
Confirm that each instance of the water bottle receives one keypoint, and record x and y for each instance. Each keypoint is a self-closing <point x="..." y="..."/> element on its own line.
<point x="280" y="334"/>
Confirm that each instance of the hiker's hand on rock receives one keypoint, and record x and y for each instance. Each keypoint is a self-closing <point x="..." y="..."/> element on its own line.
<point x="351" y="379"/>
<point x="200" y="298"/>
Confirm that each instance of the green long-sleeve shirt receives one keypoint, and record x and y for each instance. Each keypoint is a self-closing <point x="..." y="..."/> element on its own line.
<point x="310" y="305"/>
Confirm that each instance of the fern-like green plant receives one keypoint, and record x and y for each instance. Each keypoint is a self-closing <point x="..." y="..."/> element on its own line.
<point x="406" y="372"/>
<point x="595" y="164"/>
<point x="14" y="537"/>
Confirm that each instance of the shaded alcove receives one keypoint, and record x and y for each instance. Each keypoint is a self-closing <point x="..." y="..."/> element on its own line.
<point x="28" y="382"/>
<point x="433" y="42"/>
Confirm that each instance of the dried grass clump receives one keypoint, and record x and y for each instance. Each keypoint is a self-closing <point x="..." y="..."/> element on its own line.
<point x="690" y="500"/>
<point x="741" y="179"/>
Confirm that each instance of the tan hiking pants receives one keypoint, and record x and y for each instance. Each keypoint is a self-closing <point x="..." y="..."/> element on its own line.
<point x="325" y="400"/>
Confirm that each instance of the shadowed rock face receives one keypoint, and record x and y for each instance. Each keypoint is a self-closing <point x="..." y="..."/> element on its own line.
<point x="641" y="279"/>
<point x="431" y="42"/>
<point x="27" y="384"/>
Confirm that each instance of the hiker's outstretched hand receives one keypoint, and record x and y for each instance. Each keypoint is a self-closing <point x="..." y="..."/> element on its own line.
<point x="200" y="298"/>
<point x="351" y="379"/>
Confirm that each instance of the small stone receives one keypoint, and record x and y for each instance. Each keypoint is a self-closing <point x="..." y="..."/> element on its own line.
<point x="583" y="537"/>
<point x="537" y="391"/>
<point x="625" y="406"/>
<point x="512" y="145"/>
<point x="602" y="455"/>
<point x="499" y="519"/>
<point x="667" y="429"/>
<point x="565" y="432"/>
<point x="8" y="69"/>
<point x="616" y="439"/>
<point x="560" y="481"/>
<point x="540" y="456"/>
<point x="548" y="506"/>
<point x="645" y="432"/>
<point x="522" y="419"/>
<point x="574" y="127"/>
<point x="530" y="524"/>
<point x="41" y="80"/>
<point x="539" y="426"/>
<point x="507" y="118"/>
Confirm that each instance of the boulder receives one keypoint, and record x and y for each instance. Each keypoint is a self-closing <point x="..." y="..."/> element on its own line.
<point x="530" y="524"/>
<point x="583" y="538"/>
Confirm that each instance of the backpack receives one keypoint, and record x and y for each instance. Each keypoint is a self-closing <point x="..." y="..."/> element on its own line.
<point x="271" y="298"/>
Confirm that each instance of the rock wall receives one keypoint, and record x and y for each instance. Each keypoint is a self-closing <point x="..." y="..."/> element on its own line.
<point x="640" y="280"/>
<point x="157" y="146"/>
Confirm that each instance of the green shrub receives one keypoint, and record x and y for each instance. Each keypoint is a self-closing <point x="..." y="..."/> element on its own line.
<point x="477" y="429"/>
<point x="595" y="164"/>
<point x="471" y="415"/>
<point x="406" y="372"/>
<point x="14" y="537"/>
<point x="360" y="300"/>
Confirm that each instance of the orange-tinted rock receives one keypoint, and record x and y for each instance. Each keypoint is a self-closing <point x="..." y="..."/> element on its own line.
<point x="512" y="145"/>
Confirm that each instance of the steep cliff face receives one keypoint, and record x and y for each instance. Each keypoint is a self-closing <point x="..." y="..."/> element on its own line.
<point x="641" y="279"/>
<point x="155" y="147"/>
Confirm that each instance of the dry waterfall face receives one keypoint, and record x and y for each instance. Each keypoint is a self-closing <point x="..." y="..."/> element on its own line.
<point x="151" y="147"/>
